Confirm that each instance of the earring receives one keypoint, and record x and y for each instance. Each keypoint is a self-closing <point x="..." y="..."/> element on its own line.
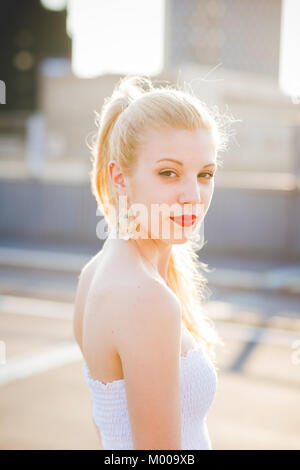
<point x="127" y="225"/>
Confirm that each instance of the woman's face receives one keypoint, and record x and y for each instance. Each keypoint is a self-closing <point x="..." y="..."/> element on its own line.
<point x="173" y="188"/>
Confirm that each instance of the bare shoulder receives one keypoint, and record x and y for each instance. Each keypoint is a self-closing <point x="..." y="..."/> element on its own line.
<point x="144" y="304"/>
<point x="83" y="285"/>
<point x="131" y="302"/>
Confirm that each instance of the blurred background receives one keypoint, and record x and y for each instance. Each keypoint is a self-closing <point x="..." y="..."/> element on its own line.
<point x="59" y="59"/>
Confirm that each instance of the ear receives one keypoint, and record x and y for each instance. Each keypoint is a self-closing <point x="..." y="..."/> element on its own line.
<point x="117" y="177"/>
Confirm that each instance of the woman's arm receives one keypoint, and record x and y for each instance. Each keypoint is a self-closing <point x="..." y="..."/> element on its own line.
<point x="148" y="341"/>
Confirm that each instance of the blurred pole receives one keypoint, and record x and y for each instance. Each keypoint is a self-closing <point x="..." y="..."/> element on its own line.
<point x="289" y="68"/>
<point x="35" y="144"/>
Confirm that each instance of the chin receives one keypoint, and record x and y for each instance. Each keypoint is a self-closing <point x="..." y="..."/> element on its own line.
<point x="178" y="239"/>
<point x="179" y="242"/>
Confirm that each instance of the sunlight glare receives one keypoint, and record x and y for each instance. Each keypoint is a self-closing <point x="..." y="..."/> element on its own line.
<point x="116" y="36"/>
<point x="54" y="5"/>
<point x="289" y="70"/>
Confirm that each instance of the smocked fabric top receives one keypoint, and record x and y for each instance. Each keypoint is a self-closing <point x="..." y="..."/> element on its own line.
<point x="198" y="386"/>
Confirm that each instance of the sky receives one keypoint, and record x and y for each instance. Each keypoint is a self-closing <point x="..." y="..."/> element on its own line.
<point x="127" y="36"/>
<point x="116" y="36"/>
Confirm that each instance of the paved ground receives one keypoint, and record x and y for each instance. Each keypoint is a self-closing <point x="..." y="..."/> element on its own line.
<point x="45" y="403"/>
<point x="226" y="272"/>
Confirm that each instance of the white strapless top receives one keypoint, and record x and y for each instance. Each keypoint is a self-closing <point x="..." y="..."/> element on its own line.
<point x="198" y="386"/>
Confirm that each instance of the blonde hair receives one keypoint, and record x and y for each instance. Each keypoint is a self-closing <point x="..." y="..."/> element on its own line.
<point x="136" y="105"/>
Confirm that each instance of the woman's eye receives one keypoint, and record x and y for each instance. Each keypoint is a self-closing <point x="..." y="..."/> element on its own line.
<point x="167" y="173"/>
<point x="211" y="175"/>
<point x="164" y="173"/>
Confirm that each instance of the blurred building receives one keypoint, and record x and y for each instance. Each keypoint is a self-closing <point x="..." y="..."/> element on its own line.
<point x="242" y="35"/>
<point x="29" y="33"/>
<point x="228" y="51"/>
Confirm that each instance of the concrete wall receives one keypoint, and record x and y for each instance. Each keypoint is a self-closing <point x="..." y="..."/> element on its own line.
<point x="240" y="221"/>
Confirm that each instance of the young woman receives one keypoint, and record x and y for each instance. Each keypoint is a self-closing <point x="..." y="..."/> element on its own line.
<point x="147" y="345"/>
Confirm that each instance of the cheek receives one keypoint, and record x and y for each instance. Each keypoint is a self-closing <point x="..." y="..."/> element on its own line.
<point x="210" y="191"/>
<point x="207" y="197"/>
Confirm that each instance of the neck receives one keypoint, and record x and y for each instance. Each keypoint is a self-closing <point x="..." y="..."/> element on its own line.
<point x="155" y="253"/>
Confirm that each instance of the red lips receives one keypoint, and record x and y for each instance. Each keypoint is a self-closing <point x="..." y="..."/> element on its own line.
<point x="184" y="220"/>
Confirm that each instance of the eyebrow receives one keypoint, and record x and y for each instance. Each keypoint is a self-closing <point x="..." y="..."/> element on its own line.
<point x="180" y="163"/>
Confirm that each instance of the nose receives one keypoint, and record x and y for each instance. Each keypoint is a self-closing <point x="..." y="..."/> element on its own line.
<point x="190" y="194"/>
